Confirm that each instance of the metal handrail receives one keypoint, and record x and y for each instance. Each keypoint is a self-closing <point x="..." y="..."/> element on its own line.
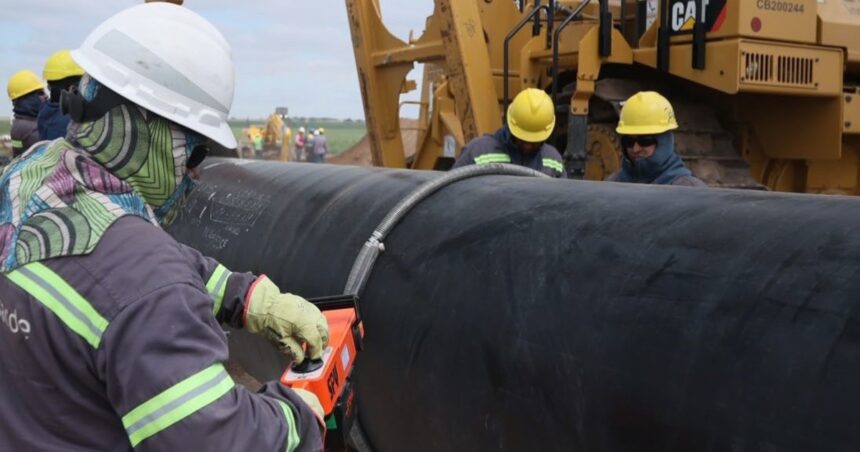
<point x="506" y="57"/>
<point x="555" y="39"/>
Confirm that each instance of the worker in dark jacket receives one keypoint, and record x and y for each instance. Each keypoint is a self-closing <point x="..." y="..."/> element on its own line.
<point x="522" y="141"/>
<point x="27" y="93"/>
<point x="62" y="74"/>
<point x="648" y="144"/>
<point x="109" y="329"/>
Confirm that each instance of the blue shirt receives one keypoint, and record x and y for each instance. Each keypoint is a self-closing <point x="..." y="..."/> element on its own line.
<point x="52" y="122"/>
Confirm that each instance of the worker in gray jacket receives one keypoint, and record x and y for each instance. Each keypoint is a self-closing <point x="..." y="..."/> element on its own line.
<point x="320" y="146"/>
<point x="109" y="329"/>
<point x="522" y="141"/>
<point x="27" y="93"/>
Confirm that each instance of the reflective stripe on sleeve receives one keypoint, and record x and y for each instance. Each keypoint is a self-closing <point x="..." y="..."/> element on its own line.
<point x="176" y="403"/>
<point x="553" y="164"/>
<point x="292" y="433"/>
<point x="493" y="157"/>
<point x="217" y="286"/>
<point x="63" y="300"/>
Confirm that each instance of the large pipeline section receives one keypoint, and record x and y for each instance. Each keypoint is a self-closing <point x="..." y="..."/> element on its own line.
<point x="512" y="313"/>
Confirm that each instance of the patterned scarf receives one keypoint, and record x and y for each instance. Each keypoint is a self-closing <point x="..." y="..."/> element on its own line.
<point x="59" y="198"/>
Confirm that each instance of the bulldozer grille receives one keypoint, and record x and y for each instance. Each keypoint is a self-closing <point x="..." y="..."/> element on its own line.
<point x="794" y="70"/>
<point x="780" y="70"/>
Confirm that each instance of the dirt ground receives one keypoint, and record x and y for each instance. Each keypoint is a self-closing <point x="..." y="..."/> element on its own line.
<point x="360" y="155"/>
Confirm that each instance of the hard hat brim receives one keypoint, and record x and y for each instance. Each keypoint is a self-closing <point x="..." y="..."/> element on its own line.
<point x="644" y="130"/>
<point x="53" y="76"/>
<point x="528" y="136"/>
<point x="221" y="133"/>
<point x="26" y="92"/>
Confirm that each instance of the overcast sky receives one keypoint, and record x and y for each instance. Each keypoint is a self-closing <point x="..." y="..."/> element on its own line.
<point x="293" y="53"/>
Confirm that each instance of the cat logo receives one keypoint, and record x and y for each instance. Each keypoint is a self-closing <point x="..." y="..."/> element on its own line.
<point x="683" y="14"/>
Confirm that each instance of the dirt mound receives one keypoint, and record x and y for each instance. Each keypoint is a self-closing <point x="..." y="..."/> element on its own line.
<point x="359" y="154"/>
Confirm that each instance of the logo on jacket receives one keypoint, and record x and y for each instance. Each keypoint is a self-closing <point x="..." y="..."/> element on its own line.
<point x="12" y="321"/>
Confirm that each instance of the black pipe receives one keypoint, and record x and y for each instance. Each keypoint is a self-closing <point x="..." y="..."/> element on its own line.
<point x="512" y="313"/>
<point x="555" y="41"/>
<point x="550" y="22"/>
<point x="536" y="23"/>
<point x="605" y="46"/>
<point x="663" y="37"/>
<point x="641" y="20"/>
<point x="623" y="27"/>
<point x="506" y="56"/>
<point x="699" y="36"/>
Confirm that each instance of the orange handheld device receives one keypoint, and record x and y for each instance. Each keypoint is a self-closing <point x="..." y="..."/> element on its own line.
<point x="328" y="378"/>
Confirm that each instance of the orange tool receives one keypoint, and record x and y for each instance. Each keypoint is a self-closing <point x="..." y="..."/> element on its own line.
<point x="328" y="377"/>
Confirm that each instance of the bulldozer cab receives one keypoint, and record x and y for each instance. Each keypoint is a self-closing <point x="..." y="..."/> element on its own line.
<point x="764" y="90"/>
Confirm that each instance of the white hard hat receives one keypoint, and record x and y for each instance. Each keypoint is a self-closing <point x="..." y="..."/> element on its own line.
<point x="170" y="61"/>
<point x="317" y="132"/>
<point x="302" y="129"/>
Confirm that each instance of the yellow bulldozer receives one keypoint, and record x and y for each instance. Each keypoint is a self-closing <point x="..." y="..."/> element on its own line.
<point x="272" y="140"/>
<point x="766" y="91"/>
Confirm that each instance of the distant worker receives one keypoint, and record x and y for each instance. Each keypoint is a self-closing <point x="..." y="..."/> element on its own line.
<point x="111" y="336"/>
<point x="258" y="145"/>
<point x="27" y="93"/>
<point x="62" y="74"/>
<point x="309" y="145"/>
<point x="286" y="144"/>
<point x="320" y="146"/>
<point x="522" y="141"/>
<point x="648" y="144"/>
<point x="299" y="148"/>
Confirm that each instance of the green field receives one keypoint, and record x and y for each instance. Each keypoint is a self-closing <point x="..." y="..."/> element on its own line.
<point x="341" y="135"/>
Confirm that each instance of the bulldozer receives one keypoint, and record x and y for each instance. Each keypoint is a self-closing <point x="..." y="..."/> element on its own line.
<point x="765" y="91"/>
<point x="274" y="137"/>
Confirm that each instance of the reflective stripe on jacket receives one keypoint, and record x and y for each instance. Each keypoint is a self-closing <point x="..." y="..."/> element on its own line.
<point x="120" y="350"/>
<point x="24" y="133"/>
<point x="488" y="149"/>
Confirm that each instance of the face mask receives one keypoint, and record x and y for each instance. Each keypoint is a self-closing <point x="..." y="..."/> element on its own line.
<point x="147" y="151"/>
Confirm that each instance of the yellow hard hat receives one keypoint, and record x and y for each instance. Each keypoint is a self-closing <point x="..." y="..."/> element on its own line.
<point x="646" y="113"/>
<point x="61" y="65"/>
<point x="22" y="83"/>
<point x="321" y="130"/>
<point x="531" y="116"/>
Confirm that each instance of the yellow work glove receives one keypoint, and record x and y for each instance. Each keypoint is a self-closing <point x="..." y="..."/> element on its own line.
<point x="286" y="320"/>
<point x="312" y="401"/>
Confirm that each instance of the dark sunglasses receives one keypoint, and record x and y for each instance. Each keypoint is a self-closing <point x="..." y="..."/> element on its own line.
<point x="197" y="155"/>
<point x="644" y="140"/>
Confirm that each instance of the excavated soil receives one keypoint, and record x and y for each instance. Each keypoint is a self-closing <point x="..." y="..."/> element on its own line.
<point x="360" y="154"/>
